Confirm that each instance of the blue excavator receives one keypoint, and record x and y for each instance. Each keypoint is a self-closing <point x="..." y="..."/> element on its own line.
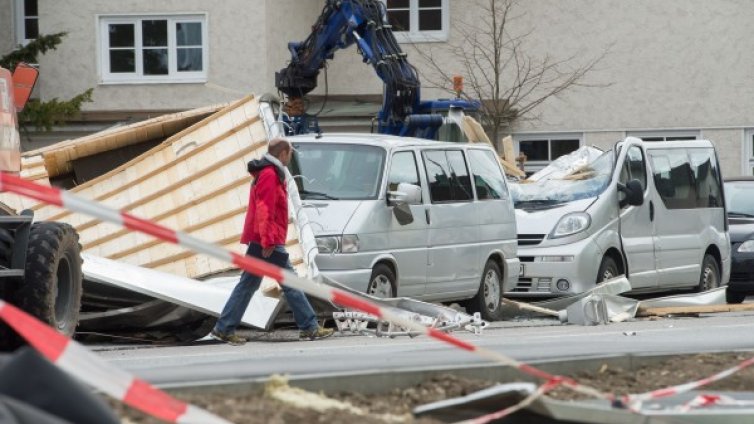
<point x="341" y="24"/>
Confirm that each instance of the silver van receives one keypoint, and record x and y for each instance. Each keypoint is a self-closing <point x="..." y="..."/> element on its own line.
<point x="396" y="216"/>
<point x="653" y="211"/>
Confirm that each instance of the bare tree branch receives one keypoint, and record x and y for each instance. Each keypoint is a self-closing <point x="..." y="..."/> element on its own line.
<point x="491" y="57"/>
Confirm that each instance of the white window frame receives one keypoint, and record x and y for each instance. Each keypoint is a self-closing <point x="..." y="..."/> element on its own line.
<point x="536" y="165"/>
<point x="665" y="134"/>
<point x="416" y="36"/>
<point x="20" y="19"/>
<point x="748" y="152"/>
<point x="173" y="77"/>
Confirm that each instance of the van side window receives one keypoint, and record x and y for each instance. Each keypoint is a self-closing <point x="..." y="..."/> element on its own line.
<point x="673" y="178"/>
<point x="707" y="178"/>
<point x="403" y="170"/>
<point x="634" y="167"/>
<point x="448" y="176"/>
<point x="488" y="179"/>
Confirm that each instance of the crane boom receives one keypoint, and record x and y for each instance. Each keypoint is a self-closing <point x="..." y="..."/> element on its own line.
<point x="344" y="23"/>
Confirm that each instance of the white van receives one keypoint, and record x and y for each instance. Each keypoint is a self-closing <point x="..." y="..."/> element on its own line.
<point x="397" y="216"/>
<point x="653" y="211"/>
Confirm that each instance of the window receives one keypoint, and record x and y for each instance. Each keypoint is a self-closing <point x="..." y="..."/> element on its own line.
<point x="403" y="170"/>
<point x="488" y="178"/>
<point x="153" y="49"/>
<point x="27" y="20"/>
<point x="448" y="176"/>
<point x="634" y="167"/>
<point x="706" y="178"/>
<point x="540" y="150"/>
<point x="418" y="20"/>
<point x="673" y="178"/>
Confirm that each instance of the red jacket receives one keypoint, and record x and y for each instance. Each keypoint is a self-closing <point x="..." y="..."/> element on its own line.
<point x="267" y="215"/>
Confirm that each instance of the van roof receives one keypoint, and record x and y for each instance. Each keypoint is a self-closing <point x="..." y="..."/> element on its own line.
<point x="674" y="143"/>
<point x="383" y="140"/>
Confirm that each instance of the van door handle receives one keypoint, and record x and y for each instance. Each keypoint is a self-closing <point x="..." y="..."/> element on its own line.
<point x="426" y="215"/>
<point x="651" y="211"/>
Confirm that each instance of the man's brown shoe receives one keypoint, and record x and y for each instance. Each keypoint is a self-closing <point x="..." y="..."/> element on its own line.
<point x="231" y="339"/>
<point x="317" y="333"/>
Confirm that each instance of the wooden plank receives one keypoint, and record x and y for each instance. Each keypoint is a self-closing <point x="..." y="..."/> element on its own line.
<point x="512" y="169"/>
<point x="508" y="151"/>
<point x="180" y="208"/>
<point x="186" y="254"/>
<point x="695" y="310"/>
<point x="529" y="307"/>
<point x="199" y="226"/>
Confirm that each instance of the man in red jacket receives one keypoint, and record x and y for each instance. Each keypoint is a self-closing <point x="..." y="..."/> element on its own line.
<point x="265" y="231"/>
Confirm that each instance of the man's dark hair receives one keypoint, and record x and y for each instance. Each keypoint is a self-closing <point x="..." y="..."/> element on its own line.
<point x="278" y="145"/>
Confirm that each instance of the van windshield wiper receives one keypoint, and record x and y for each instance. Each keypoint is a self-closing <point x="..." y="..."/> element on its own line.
<point x="741" y="214"/>
<point x="317" y="194"/>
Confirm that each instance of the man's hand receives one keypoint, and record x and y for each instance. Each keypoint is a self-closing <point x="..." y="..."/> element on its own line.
<point x="267" y="251"/>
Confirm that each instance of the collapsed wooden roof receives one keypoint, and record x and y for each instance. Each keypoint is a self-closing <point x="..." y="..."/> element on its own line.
<point x="56" y="159"/>
<point x="194" y="181"/>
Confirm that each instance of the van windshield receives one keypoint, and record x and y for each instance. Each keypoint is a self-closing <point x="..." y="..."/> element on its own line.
<point x="553" y="189"/>
<point x="739" y="195"/>
<point x="337" y="171"/>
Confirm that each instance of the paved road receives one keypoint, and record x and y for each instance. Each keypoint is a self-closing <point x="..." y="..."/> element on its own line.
<point x="526" y="341"/>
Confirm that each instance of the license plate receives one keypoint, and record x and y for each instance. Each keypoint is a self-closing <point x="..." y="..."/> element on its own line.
<point x="521" y="270"/>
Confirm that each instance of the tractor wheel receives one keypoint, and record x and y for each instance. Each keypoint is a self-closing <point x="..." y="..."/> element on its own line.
<point x="51" y="290"/>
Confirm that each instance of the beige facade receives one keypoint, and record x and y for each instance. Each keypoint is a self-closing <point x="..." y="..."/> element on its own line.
<point x="673" y="66"/>
<point x="7" y="26"/>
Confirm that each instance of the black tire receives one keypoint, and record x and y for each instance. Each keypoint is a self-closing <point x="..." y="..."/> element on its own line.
<point x="734" y="296"/>
<point x="710" y="276"/>
<point x="51" y="290"/>
<point x="8" y="339"/>
<point x="382" y="283"/>
<point x="6" y="247"/>
<point x="487" y="299"/>
<point x="608" y="269"/>
<point x="196" y="330"/>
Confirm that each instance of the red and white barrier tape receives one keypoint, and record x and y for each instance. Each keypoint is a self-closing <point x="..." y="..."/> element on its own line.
<point x="541" y="391"/>
<point x="634" y="401"/>
<point x="93" y="370"/>
<point x="707" y="400"/>
<point x="256" y="266"/>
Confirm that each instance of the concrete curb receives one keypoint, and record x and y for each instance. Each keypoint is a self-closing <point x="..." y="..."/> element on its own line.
<point x="380" y="381"/>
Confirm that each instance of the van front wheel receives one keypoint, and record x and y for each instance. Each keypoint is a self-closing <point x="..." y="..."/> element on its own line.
<point x="608" y="270"/>
<point x="710" y="278"/>
<point x="490" y="294"/>
<point x="382" y="282"/>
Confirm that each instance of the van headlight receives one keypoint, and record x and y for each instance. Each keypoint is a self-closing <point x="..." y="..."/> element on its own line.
<point x="570" y="224"/>
<point x="746" y="247"/>
<point x="348" y="243"/>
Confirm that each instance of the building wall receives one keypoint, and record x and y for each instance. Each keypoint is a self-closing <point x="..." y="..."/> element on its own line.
<point x="237" y="53"/>
<point x="7" y="27"/>
<point x="729" y="143"/>
<point x="671" y="64"/>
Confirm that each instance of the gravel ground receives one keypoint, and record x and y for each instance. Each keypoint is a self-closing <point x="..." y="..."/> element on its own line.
<point x="396" y="405"/>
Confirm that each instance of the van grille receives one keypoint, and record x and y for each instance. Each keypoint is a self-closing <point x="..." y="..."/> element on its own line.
<point x="530" y="239"/>
<point x="532" y="285"/>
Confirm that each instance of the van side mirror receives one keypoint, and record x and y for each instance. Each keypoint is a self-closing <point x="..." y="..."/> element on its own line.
<point x="407" y="194"/>
<point x="634" y="193"/>
<point x="401" y="199"/>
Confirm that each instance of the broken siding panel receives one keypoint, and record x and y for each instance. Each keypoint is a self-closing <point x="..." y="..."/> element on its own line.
<point x="196" y="181"/>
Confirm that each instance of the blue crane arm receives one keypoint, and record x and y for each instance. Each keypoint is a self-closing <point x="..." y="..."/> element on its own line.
<point x="344" y="23"/>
